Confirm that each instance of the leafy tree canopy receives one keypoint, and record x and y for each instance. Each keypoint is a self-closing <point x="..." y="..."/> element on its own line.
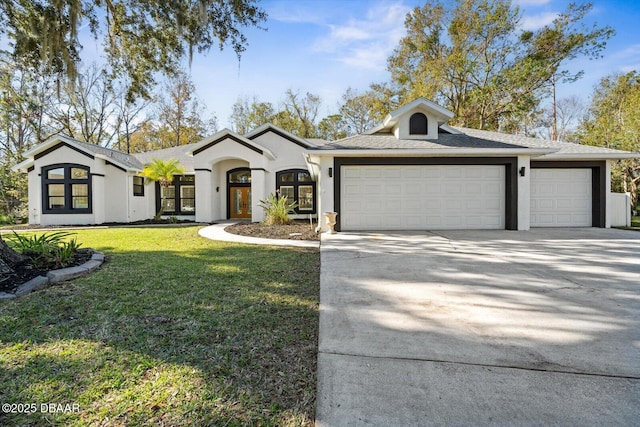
<point x="298" y="114"/>
<point x="613" y="121"/>
<point x="474" y="59"/>
<point x="141" y="37"/>
<point x="162" y="172"/>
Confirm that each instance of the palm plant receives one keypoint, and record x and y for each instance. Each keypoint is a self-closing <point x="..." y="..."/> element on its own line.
<point x="162" y="172"/>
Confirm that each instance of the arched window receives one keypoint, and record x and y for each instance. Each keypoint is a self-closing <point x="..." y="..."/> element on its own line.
<point x="418" y="124"/>
<point x="298" y="186"/>
<point x="66" y="189"/>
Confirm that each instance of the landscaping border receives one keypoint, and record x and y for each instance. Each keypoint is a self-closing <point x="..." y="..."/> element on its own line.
<point x="56" y="276"/>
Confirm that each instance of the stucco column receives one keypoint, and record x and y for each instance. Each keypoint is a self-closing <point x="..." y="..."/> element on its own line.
<point x="524" y="193"/>
<point x="325" y="198"/>
<point x="98" y="189"/>
<point x="35" y="197"/>
<point x="204" y="195"/>
<point x="258" y="192"/>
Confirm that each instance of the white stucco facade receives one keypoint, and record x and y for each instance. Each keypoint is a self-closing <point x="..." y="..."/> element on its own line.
<point x="227" y="176"/>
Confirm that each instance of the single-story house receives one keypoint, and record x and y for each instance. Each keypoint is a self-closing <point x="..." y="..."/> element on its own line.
<point x="413" y="172"/>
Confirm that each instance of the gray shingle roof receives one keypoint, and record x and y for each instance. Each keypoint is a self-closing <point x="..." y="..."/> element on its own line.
<point x="468" y="138"/>
<point x="118" y="156"/>
<point x="179" y="153"/>
<point x="524" y="141"/>
<point x="388" y="141"/>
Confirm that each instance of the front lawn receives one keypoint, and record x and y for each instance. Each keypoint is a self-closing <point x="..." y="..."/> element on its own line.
<point x="173" y="330"/>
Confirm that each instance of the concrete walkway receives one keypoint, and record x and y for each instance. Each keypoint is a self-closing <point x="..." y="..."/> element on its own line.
<point x="480" y="328"/>
<point x="216" y="232"/>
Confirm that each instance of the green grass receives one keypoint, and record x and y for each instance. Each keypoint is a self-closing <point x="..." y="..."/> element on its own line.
<point x="174" y="329"/>
<point x="635" y="222"/>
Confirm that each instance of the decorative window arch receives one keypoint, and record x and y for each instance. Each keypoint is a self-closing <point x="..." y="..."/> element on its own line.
<point x="298" y="186"/>
<point x="66" y="189"/>
<point x="418" y="124"/>
<point x="240" y="176"/>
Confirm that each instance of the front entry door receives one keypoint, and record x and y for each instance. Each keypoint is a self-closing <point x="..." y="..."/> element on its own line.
<point x="240" y="202"/>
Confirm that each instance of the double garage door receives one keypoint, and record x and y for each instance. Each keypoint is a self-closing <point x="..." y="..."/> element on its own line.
<point x="422" y="197"/>
<point x="432" y="197"/>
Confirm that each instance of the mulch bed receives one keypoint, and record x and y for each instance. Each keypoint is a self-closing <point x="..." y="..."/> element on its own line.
<point x="27" y="271"/>
<point x="297" y="230"/>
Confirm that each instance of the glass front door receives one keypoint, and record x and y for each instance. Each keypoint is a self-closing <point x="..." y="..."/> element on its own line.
<point x="240" y="202"/>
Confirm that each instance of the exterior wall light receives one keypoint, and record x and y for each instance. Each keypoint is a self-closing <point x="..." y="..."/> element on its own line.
<point x="330" y="172"/>
<point x="522" y="171"/>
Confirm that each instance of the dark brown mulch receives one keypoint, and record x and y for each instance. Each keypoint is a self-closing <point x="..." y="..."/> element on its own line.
<point x="301" y="230"/>
<point x="27" y="271"/>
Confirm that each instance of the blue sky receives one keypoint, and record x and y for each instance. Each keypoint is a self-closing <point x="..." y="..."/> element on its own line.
<point x="325" y="46"/>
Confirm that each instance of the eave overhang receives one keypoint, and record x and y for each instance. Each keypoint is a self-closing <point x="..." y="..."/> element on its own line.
<point x="436" y="152"/>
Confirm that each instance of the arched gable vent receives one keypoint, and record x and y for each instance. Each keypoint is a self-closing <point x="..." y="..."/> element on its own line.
<point x="418" y="124"/>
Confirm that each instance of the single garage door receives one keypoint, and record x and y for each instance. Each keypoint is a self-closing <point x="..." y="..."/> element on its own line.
<point x="422" y="197"/>
<point x="561" y="198"/>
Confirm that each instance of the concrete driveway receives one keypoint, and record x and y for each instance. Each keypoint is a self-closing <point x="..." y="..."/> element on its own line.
<point x="480" y="328"/>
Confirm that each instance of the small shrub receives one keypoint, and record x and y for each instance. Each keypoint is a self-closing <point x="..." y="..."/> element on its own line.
<point x="48" y="250"/>
<point x="7" y="219"/>
<point x="277" y="209"/>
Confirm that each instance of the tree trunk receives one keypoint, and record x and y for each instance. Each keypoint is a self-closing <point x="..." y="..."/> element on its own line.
<point x="4" y="269"/>
<point x="158" y="216"/>
<point x="8" y="258"/>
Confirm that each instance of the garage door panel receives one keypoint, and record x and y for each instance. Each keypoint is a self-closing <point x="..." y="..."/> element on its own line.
<point x="495" y="221"/>
<point x="488" y="204"/>
<point x="413" y="189"/>
<point x="474" y="220"/>
<point x="452" y="173"/>
<point x="433" y="221"/>
<point x="432" y="205"/>
<point x="495" y="173"/>
<point x="414" y="205"/>
<point x="391" y="173"/>
<point x="351" y="173"/>
<point x="583" y="204"/>
<point x="474" y="188"/>
<point x="561" y="197"/>
<point x="455" y="221"/>
<point x="413" y="221"/>
<point x="392" y="188"/>
<point x="413" y="174"/>
<point x="371" y="173"/>
<point x="473" y="173"/>
<point x="432" y="188"/>
<point x="453" y="205"/>
<point x="423" y="197"/>
<point x="454" y="189"/>
<point x="432" y="173"/>
<point x="565" y="204"/>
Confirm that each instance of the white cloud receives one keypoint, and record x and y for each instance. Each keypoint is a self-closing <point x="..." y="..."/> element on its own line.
<point x="632" y="51"/>
<point x="628" y="59"/>
<point x="294" y="13"/>
<point x="630" y="68"/>
<point x="534" y="22"/>
<point x="365" y="42"/>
